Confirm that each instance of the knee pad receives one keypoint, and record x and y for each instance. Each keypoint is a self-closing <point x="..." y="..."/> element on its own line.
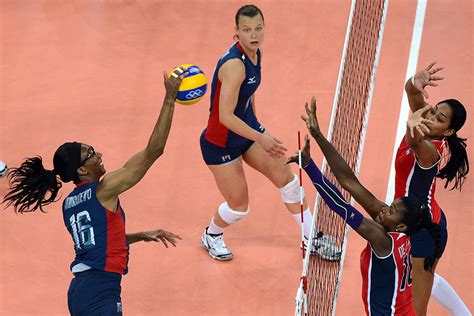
<point x="230" y="216"/>
<point x="290" y="193"/>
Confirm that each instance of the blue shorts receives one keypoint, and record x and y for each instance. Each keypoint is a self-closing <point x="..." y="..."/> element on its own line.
<point x="422" y="245"/>
<point x="216" y="155"/>
<point x="95" y="292"/>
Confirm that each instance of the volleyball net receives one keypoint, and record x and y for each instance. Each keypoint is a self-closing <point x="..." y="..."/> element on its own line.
<point x="319" y="284"/>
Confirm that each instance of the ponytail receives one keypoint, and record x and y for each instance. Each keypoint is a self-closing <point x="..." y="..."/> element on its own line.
<point x="31" y="186"/>
<point x="457" y="166"/>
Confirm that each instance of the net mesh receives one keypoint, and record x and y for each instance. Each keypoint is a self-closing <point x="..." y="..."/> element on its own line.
<point x="347" y="136"/>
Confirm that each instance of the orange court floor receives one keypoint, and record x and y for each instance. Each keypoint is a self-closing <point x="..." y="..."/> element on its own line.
<point x="91" y="71"/>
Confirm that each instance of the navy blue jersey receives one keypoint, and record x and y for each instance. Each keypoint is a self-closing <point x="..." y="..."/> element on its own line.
<point x="98" y="234"/>
<point x="413" y="180"/>
<point x="387" y="281"/>
<point x="218" y="134"/>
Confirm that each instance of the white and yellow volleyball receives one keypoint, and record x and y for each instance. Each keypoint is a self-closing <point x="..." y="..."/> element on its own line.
<point x="193" y="87"/>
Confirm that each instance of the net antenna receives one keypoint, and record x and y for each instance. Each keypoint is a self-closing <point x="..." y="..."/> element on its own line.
<point x="320" y="279"/>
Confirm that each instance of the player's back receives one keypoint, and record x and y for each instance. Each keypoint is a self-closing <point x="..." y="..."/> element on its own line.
<point x="386" y="281"/>
<point x="98" y="234"/>
<point x="413" y="180"/>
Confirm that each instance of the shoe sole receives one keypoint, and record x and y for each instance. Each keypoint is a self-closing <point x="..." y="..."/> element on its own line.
<point x="223" y="258"/>
<point x="335" y="257"/>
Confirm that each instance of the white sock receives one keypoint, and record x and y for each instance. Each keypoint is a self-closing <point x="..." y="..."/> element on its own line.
<point x="444" y="294"/>
<point x="213" y="229"/>
<point x="307" y="219"/>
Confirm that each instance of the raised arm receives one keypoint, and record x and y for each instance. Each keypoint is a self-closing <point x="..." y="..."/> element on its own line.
<point x="417" y="126"/>
<point x="368" y="229"/>
<point x="344" y="174"/>
<point x="135" y="168"/>
<point x="415" y="86"/>
<point x="231" y="75"/>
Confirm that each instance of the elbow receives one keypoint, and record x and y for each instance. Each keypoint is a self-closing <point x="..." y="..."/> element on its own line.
<point x="159" y="152"/>
<point x="152" y="155"/>
<point x="408" y="85"/>
<point x="347" y="182"/>
<point x="224" y="119"/>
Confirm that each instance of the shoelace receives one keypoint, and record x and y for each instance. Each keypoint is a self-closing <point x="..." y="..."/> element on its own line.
<point x="218" y="242"/>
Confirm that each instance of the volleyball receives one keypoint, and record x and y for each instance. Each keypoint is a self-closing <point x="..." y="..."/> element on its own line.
<point x="193" y="87"/>
<point x="3" y="169"/>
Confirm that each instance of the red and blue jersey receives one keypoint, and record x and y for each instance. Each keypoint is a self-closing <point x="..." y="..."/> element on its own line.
<point x="98" y="234"/>
<point x="387" y="281"/>
<point x="218" y="134"/>
<point x="413" y="180"/>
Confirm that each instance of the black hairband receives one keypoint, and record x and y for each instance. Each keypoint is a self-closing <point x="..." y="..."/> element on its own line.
<point x="67" y="159"/>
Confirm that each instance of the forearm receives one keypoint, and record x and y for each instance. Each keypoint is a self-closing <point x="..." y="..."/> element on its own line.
<point x="239" y="127"/>
<point x="338" y="165"/>
<point x="134" y="237"/>
<point x="333" y="197"/>
<point x="412" y="141"/>
<point x="157" y="141"/>
<point x="415" y="97"/>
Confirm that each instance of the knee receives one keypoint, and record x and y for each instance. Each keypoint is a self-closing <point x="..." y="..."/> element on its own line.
<point x="238" y="203"/>
<point x="284" y="176"/>
<point x="232" y="216"/>
<point x="291" y="192"/>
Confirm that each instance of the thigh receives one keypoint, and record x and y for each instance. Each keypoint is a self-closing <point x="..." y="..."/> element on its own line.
<point x="231" y="181"/>
<point x="216" y="155"/>
<point x="276" y="170"/>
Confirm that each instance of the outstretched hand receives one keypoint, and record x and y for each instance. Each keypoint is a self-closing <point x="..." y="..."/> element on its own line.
<point x="161" y="235"/>
<point x="172" y="83"/>
<point x="418" y="122"/>
<point x="305" y="154"/>
<point x="311" y="120"/>
<point x="426" y="77"/>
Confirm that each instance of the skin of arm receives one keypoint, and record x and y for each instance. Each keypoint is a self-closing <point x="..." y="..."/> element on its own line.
<point x="154" y="235"/>
<point x="370" y="230"/>
<point x="377" y="236"/>
<point x="135" y="168"/>
<point x="231" y="75"/>
<point x="425" y="151"/>
<point x="134" y="237"/>
<point x="415" y="90"/>
<point x="415" y="97"/>
<point x="344" y="174"/>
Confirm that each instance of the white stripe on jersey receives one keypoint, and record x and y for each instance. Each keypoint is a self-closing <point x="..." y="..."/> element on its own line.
<point x="429" y="196"/>
<point x="395" y="289"/>
<point x="369" y="283"/>
<point x="247" y="103"/>
<point x="407" y="184"/>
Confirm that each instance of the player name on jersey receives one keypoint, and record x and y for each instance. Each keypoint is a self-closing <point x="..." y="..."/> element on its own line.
<point x="77" y="199"/>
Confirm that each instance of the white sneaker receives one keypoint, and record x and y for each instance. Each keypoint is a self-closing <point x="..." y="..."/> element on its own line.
<point x="216" y="246"/>
<point x="325" y="246"/>
<point x="3" y="169"/>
